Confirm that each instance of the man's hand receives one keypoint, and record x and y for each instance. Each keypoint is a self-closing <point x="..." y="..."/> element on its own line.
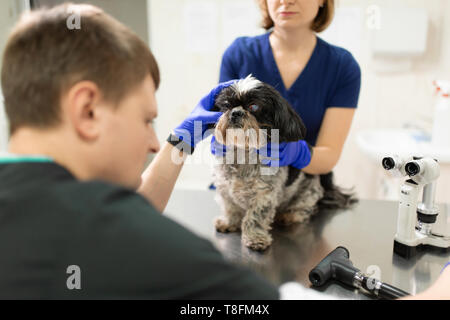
<point x="440" y="290"/>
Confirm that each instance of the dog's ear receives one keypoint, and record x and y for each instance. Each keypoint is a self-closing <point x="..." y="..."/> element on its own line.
<point x="288" y="122"/>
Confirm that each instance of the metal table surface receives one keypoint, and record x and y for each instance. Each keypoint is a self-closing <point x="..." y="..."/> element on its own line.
<point x="367" y="231"/>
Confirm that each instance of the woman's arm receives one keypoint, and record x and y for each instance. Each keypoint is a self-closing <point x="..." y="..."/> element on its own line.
<point x="159" y="178"/>
<point x="338" y="119"/>
<point x="330" y="142"/>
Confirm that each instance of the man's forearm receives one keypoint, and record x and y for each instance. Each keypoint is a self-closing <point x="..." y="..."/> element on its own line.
<point x="161" y="175"/>
<point x="440" y="290"/>
<point x="323" y="161"/>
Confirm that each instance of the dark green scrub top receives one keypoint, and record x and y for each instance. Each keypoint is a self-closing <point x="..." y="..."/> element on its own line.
<point x="123" y="248"/>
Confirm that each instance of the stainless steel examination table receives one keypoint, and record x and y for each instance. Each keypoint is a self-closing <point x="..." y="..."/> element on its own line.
<point x="367" y="231"/>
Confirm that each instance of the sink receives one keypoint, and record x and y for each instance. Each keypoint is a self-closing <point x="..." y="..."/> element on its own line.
<point x="379" y="143"/>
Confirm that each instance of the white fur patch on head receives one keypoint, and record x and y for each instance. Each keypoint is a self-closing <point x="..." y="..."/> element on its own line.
<point x="247" y="84"/>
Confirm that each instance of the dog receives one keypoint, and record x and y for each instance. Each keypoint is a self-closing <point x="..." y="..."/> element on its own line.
<point x="251" y="201"/>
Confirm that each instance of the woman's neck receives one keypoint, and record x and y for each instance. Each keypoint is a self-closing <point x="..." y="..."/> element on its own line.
<point x="293" y="39"/>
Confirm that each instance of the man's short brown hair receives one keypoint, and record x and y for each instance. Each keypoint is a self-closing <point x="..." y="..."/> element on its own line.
<point x="44" y="58"/>
<point x="320" y="23"/>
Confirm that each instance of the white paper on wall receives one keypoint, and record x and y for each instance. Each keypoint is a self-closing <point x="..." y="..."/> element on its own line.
<point x="239" y="19"/>
<point x="346" y="30"/>
<point x="201" y="26"/>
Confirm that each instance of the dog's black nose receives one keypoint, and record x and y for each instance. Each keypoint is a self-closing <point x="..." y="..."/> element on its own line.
<point x="236" y="114"/>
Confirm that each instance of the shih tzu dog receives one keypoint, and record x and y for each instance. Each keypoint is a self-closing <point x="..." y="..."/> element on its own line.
<point x="251" y="199"/>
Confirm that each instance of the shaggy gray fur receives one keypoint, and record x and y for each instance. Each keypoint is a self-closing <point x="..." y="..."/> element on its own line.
<point x="251" y="202"/>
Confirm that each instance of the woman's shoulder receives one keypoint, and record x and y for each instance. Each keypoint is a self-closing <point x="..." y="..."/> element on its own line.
<point x="343" y="75"/>
<point x="338" y="55"/>
<point x="247" y="45"/>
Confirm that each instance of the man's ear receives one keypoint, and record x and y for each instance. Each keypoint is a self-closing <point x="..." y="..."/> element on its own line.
<point x="81" y="108"/>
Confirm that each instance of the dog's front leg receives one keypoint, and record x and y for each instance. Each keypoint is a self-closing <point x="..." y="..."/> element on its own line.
<point x="256" y="225"/>
<point x="231" y="219"/>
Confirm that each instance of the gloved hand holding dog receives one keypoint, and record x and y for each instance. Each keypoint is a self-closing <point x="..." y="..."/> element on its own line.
<point x="296" y="154"/>
<point x="192" y="130"/>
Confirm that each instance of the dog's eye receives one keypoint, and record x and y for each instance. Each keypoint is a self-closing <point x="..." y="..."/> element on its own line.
<point x="253" y="108"/>
<point x="227" y="105"/>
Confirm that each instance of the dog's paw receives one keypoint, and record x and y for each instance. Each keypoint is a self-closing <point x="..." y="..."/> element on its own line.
<point x="289" y="218"/>
<point x="223" y="226"/>
<point x="258" y="243"/>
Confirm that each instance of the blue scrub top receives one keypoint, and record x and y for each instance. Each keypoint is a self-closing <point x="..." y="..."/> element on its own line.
<point x="331" y="78"/>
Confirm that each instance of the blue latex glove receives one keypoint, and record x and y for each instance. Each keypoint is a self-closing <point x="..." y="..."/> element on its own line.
<point x="296" y="154"/>
<point x="217" y="148"/>
<point x="192" y="130"/>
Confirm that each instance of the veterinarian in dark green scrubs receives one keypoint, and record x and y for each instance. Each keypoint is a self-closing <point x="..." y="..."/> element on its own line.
<point x="72" y="225"/>
<point x="123" y="247"/>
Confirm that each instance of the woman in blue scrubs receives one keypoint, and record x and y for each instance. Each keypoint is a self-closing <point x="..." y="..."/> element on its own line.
<point x="321" y="81"/>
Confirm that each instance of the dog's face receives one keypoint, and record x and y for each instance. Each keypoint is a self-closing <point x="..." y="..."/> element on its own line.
<point x="255" y="109"/>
